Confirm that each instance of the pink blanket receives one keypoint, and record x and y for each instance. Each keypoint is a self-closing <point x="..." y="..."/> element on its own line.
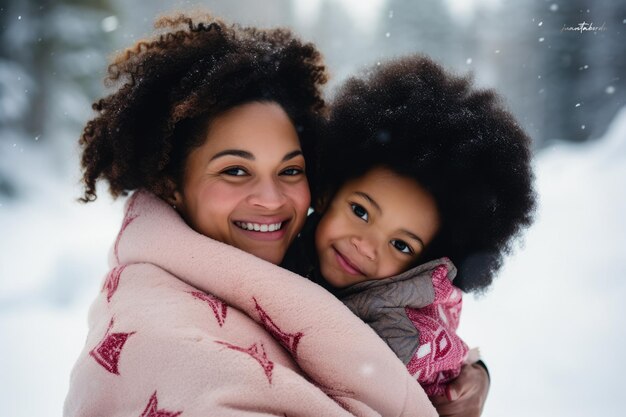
<point x="161" y="342"/>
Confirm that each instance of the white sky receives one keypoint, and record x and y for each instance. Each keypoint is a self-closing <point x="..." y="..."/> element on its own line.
<point x="365" y="12"/>
<point x="463" y="10"/>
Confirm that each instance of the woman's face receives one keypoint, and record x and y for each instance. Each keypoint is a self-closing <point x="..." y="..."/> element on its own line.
<point x="246" y="185"/>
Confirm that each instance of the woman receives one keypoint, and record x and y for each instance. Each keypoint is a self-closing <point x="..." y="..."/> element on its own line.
<point x="216" y="120"/>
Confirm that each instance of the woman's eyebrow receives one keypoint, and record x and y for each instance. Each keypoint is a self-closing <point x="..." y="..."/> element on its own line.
<point x="233" y="152"/>
<point x="292" y="154"/>
<point x="247" y="155"/>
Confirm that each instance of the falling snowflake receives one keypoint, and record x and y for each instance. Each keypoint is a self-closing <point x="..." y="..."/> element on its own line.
<point x="554" y="7"/>
<point x="610" y="89"/>
<point x="109" y="24"/>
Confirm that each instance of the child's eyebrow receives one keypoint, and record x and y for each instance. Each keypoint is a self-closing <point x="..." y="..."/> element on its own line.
<point x="370" y="199"/>
<point x="380" y="210"/>
<point x="413" y="236"/>
<point x="247" y="155"/>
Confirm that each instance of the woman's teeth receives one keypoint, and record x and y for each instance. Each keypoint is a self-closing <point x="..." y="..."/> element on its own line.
<point x="259" y="227"/>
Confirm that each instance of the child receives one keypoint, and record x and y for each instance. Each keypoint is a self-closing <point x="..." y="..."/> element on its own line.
<point x="417" y="166"/>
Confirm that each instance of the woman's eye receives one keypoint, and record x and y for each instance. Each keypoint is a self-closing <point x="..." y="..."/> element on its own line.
<point x="359" y="211"/>
<point x="402" y="246"/>
<point x="235" y="172"/>
<point x="291" y="172"/>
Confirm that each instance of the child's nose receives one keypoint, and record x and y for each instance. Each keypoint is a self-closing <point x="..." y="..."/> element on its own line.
<point x="365" y="247"/>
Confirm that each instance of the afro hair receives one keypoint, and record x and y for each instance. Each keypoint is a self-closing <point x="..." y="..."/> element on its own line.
<point x="458" y="142"/>
<point x="170" y="87"/>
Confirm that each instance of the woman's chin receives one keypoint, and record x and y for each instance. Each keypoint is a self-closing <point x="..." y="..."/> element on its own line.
<point x="273" y="255"/>
<point x="275" y="258"/>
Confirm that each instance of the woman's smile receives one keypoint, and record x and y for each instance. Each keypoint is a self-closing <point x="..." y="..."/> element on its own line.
<point x="259" y="227"/>
<point x="266" y="231"/>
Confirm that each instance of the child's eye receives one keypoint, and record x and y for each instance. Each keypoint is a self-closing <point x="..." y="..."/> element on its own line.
<point x="359" y="211"/>
<point x="235" y="171"/>
<point x="402" y="246"/>
<point x="292" y="172"/>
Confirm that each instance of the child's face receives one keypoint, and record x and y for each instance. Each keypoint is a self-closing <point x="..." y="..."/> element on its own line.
<point x="375" y="227"/>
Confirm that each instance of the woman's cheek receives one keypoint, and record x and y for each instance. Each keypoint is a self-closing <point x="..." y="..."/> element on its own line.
<point x="221" y="191"/>
<point x="301" y="196"/>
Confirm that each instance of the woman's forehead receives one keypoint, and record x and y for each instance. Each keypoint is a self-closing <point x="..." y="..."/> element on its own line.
<point x="261" y="126"/>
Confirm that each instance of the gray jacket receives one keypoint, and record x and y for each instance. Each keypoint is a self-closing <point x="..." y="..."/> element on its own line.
<point x="381" y="303"/>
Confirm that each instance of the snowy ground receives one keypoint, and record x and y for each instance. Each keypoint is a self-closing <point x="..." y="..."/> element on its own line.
<point x="551" y="329"/>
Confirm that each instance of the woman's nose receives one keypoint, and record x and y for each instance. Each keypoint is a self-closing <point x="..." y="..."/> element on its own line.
<point x="267" y="194"/>
<point x="365" y="246"/>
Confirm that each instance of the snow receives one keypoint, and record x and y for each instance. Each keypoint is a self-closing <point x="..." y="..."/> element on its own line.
<point x="13" y="80"/>
<point x="109" y="23"/>
<point x="550" y="330"/>
<point x="50" y="269"/>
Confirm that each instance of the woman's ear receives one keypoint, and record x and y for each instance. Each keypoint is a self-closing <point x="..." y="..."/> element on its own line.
<point x="172" y="194"/>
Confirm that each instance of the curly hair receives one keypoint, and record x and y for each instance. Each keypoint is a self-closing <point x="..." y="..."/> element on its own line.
<point x="459" y="143"/>
<point x="170" y="87"/>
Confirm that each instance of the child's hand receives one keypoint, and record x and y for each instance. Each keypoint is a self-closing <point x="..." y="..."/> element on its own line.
<point x="466" y="395"/>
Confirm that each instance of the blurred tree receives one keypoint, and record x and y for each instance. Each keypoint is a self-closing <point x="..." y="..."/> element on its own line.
<point x="58" y="49"/>
<point x="506" y="39"/>
<point x="343" y="45"/>
<point x="418" y="26"/>
<point x="261" y="13"/>
<point x="52" y="57"/>
<point x="582" y="71"/>
<point x="605" y="89"/>
<point x="266" y="13"/>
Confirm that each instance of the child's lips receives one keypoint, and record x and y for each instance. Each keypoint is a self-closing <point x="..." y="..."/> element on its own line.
<point x="346" y="264"/>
